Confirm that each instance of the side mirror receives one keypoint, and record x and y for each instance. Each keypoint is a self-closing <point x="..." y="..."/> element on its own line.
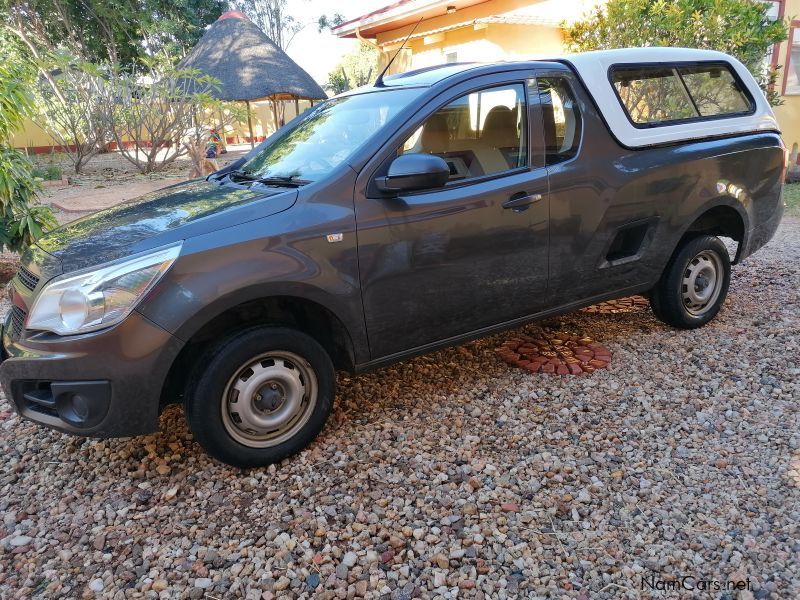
<point x="415" y="171"/>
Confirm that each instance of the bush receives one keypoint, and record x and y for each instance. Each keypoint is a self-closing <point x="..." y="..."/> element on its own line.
<point x="48" y="173"/>
<point x="740" y="28"/>
<point x="21" y="219"/>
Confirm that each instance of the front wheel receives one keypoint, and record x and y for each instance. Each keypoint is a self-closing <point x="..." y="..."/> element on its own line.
<point x="695" y="283"/>
<point x="260" y="395"/>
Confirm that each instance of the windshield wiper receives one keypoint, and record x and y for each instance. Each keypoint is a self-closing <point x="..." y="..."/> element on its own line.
<point x="290" y="180"/>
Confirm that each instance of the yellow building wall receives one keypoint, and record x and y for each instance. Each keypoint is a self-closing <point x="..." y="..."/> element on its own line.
<point x="788" y="113"/>
<point x="492" y="42"/>
<point x="31" y="136"/>
<point x="264" y="120"/>
<point x="34" y="139"/>
<point x="482" y="41"/>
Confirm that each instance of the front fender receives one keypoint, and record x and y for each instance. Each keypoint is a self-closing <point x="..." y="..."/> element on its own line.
<point x="258" y="260"/>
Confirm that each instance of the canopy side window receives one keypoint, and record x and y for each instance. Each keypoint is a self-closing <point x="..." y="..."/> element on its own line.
<point x="668" y="94"/>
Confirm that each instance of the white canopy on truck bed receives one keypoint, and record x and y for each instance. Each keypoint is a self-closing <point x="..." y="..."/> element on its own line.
<point x="597" y="69"/>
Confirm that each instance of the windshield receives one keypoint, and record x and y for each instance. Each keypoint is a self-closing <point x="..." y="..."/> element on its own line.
<point x="328" y="136"/>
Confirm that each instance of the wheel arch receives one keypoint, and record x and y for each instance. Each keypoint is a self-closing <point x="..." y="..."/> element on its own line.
<point x="298" y="312"/>
<point x="720" y="217"/>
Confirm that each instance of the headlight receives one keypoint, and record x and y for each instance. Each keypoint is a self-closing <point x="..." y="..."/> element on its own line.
<point x="101" y="296"/>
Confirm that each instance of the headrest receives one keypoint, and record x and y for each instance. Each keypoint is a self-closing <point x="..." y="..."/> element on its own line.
<point x="500" y="128"/>
<point x="435" y="137"/>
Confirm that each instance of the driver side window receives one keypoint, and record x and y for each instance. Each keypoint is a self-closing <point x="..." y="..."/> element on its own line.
<point x="481" y="133"/>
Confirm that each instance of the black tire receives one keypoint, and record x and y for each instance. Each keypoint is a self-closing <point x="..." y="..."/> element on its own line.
<point x="212" y="414"/>
<point x="670" y="299"/>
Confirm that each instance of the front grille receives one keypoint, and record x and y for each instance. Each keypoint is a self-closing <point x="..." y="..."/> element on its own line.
<point x="28" y="279"/>
<point x="18" y="319"/>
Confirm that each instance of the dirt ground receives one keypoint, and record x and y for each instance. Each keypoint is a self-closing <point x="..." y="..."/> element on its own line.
<point x="110" y="179"/>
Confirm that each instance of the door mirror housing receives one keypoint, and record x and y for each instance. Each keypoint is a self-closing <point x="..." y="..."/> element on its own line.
<point x="414" y="172"/>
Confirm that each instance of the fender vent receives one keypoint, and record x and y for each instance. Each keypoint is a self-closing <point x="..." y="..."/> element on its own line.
<point x="627" y="242"/>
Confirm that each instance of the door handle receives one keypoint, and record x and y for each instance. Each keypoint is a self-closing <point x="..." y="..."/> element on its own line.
<point x="521" y="201"/>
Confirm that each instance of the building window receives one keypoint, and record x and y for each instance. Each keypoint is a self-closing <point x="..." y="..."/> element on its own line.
<point x="774" y="12"/>
<point x="791" y="85"/>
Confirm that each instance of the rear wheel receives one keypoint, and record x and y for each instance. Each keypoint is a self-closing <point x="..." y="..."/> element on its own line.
<point x="260" y="396"/>
<point x="695" y="283"/>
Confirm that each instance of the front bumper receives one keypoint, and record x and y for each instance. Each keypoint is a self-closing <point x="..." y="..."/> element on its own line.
<point x="102" y="384"/>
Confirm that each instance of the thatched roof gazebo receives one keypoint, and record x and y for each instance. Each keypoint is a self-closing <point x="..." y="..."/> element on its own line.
<point x="248" y="65"/>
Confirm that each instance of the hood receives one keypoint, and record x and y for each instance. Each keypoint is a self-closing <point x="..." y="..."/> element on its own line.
<point x="161" y="217"/>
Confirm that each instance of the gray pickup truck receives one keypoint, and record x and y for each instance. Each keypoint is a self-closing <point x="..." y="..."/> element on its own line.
<point x="433" y="207"/>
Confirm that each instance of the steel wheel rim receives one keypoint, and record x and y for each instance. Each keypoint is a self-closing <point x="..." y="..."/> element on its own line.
<point x="702" y="283"/>
<point x="269" y="399"/>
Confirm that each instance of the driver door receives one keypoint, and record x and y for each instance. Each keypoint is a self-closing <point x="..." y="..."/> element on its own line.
<point x="442" y="263"/>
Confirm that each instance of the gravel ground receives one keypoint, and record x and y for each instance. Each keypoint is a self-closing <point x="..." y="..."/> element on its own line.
<point x="452" y="475"/>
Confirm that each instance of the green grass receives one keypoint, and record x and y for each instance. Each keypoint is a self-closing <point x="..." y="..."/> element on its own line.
<point x="791" y="195"/>
<point x="48" y="173"/>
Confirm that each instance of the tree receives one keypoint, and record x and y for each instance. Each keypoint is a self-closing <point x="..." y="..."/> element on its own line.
<point x="354" y="70"/>
<point x="68" y="108"/>
<point x="151" y="113"/>
<point x="737" y="27"/>
<point x="328" y="22"/>
<point x="272" y="18"/>
<point x="117" y="31"/>
<point x="22" y="220"/>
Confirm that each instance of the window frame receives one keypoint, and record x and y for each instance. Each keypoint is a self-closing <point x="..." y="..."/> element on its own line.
<point x="677" y="65"/>
<point x="570" y="83"/>
<point x="793" y="26"/>
<point x="523" y="82"/>
<point x="776" y="48"/>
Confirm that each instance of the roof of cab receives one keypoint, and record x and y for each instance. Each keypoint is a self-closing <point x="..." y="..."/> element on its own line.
<point x="429" y="76"/>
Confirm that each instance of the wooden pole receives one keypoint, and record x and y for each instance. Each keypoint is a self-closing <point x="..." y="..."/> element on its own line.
<point x="296" y="106"/>
<point x="275" y="112"/>
<point x="250" y="124"/>
<point x="222" y="129"/>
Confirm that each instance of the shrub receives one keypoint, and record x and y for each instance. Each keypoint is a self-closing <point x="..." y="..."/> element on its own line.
<point x="21" y="219"/>
<point x="740" y="28"/>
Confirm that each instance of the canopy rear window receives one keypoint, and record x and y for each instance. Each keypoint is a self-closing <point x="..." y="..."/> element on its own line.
<point x="669" y="94"/>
